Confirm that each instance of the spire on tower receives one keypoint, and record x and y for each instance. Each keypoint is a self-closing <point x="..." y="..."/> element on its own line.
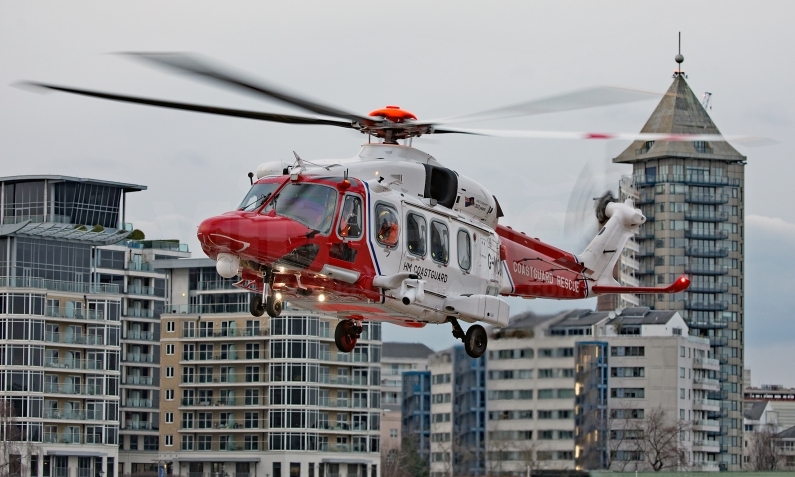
<point x="679" y="59"/>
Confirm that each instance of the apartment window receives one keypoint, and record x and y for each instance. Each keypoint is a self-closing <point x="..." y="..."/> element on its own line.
<point x="251" y="443"/>
<point x="681" y="393"/>
<point x="627" y="351"/>
<point x="169" y="417"/>
<point x="546" y="435"/>
<point x="170" y="326"/>
<point x="629" y="393"/>
<point x="187" y="420"/>
<point x="169" y="394"/>
<point x="545" y="414"/>
<point x="627" y="413"/>
<point x="252" y="374"/>
<point x="681" y="372"/>
<point x="251" y="420"/>
<point x="205" y="443"/>
<point x="169" y="349"/>
<point x="169" y="371"/>
<point x="252" y="350"/>
<point x="169" y="438"/>
<point x="188" y="352"/>
<point x="393" y="433"/>
<point x="565" y="434"/>
<point x="252" y="397"/>
<point x="628" y="372"/>
<point x="545" y="352"/>
<point x="151" y="443"/>
<point x="187" y="442"/>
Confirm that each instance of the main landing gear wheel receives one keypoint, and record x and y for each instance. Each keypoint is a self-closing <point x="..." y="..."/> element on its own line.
<point x="346" y="335"/>
<point x="273" y="307"/>
<point x="255" y="306"/>
<point x="475" y="341"/>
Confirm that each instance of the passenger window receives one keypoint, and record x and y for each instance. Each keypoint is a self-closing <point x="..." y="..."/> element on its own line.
<point x="440" y="242"/>
<point x="464" y="247"/>
<point x="386" y="223"/>
<point x="351" y="217"/>
<point x="416" y="232"/>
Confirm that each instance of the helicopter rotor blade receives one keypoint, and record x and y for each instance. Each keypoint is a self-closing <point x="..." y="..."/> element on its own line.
<point x="239" y="113"/>
<point x="581" y="99"/>
<point x="529" y="134"/>
<point x="204" y="69"/>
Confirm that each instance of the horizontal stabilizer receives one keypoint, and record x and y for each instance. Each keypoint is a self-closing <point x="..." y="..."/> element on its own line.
<point x="681" y="284"/>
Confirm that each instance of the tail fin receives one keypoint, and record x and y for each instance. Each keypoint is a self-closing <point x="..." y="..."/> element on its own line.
<point x="601" y="255"/>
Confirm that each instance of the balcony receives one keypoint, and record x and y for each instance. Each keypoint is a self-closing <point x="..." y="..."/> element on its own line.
<point x="708" y="324"/>
<point x="73" y="363"/>
<point x="63" y="438"/>
<point x="706" y="384"/>
<point x="140" y="290"/>
<point x="139" y="335"/>
<point x="706" y="234"/>
<point x="208" y="309"/>
<point x="225" y="333"/>
<point x="73" y="389"/>
<point x="139" y="313"/>
<point x="74" y="339"/>
<point x="139" y="266"/>
<point x="706" y="305"/>
<point x="707" y="425"/>
<point x="138" y="358"/>
<point x="702" y="287"/>
<point x="708" y="363"/>
<point x="706" y="446"/>
<point x="241" y="355"/>
<point x="716" y="341"/>
<point x="343" y="380"/>
<point x="706" y="216"/>
<point x="139" y="380"/>
<point x="343" y="357"/>
<point x="645" y="270"/>
<point x="73" y="415"/>
<point x="645" y="198"/>
<point x="217" y="286"/>
<point x="139" y="425"/>
<point x="695" y="179"/>
<point x="343" y="403"/>
<point x="712" y="199"/>
<point x="82" y="288"/>
<point x="225" y="378"/>
<point x="202" y="402"/>
<point x="710" y="252"/>
<point x="721" y="395"/>
<point x="137" y="402"/>
<point x="73" y="313"/>
<point x="706" y="269"/>
<point x="706" y="404"/>
<point x="645" y="252"/>
<point x="645" y="233"/>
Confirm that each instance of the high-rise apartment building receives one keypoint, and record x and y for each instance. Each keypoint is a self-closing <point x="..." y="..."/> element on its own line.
<point x="60" y="324"/>
<point x="242" y="396"/>
<point x="692" y="194"/>
<point x="397" y="358"/>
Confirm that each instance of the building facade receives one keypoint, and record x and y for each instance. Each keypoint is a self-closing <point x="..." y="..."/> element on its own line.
<point x="255" y="397"/>
<point x="60" y="325"/>
<point x="692" y="194"/>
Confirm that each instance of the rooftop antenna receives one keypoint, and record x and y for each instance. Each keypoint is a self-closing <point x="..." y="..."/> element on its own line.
<point x="679" y="59"/>
<point x="705" y="100"/>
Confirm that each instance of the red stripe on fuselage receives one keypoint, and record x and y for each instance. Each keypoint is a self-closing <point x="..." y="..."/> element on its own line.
<point x="531" y="264"/>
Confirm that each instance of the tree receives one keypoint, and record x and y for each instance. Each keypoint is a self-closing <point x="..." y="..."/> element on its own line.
<point x="765" y="454"/>
<point x="652" y="442"/>
<point x="405" y="461"/>
<point x="15" y="451"/>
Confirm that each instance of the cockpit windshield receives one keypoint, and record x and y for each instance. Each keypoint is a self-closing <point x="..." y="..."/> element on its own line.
<point x="310" y="204"/>
<point x="257" y="195"/>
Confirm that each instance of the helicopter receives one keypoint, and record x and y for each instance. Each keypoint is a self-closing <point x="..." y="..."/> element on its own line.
<point x="392" y="234"/>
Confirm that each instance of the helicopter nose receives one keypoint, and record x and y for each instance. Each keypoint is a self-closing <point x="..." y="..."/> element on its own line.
<point x="221" y="234"/>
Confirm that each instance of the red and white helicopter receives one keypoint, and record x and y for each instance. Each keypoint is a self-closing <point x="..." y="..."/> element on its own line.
<point x="391" y="234"/>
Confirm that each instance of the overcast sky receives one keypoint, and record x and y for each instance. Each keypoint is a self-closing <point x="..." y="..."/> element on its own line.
<point x="433" y="58"/>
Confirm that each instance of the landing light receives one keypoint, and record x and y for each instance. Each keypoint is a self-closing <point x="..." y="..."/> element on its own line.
<point x="278" y="296"/>
<point x="321" y="297"/>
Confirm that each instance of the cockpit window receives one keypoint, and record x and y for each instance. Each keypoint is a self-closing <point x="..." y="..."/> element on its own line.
<point x="312" y="205"/>
<point x="351" y="218"/>
<point x="386" y="225"/>
<point x="257" y="195"/>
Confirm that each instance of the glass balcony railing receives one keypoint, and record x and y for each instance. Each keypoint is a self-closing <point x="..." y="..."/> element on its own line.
<point x="221" y="402"/>
<point x="707" y="198"/>
<point x="706" y="269"/>
<point x="706" y="234"/>
<point x="73" y="415"/>
<point x="140" y="290"/>
<point x="73" y="313"/>
<point x="59" y="285"/>
<point x="137" y="402"/>
<point x="139" y="335"/>
<point x="706" y="305"/>
<point x="63" y="438"/>
<point x="706" y="287"/>
<point x="138" y="358"/>
<point x="707" y="252"/>
<point x="695" y="179"/>
<point x="139" y="266"/>
<point x="74" y="389"/>
<point x="706" y="423"/>
<point x="708" y="323"/>
<point x="706" y="381"/>
<point x="138" y="425"/>
<point x="706" y="402"/>
<point x="206" y="309"/>
<point x="142" y="380"/>
<point x="718" y="341"/>
<point x="139" y="313"/>
<point x="73" y="338"/>
<point x="706" y="216"/>
<point x="225" y="285"/>
<point x="224" y="378"/>
<point x="224" y="333"/>
<point x="73" y="363"/>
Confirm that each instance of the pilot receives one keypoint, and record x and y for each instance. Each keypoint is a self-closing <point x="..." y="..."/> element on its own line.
<point x="349" y="223"/>
<point x="388" y="231"/>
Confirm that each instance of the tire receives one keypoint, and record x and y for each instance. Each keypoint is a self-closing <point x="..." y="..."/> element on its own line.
<point x="255" y="305"/>
<point x="344" y="336"/>
<point x="273" y="307"/>
<point x="476" y="341"/>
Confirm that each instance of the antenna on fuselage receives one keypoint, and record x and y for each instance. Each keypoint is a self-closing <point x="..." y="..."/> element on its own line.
<point x="251" y="177"/>
<point x="294" y="174"/>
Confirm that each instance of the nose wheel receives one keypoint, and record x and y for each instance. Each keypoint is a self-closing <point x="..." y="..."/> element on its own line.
<point x="475" y="339"/>
<point x="346" y="335"/>
<point x="267" y="301"/>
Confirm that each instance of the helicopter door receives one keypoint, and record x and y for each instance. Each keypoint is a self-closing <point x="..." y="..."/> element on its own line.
<point x="489" y="250"/>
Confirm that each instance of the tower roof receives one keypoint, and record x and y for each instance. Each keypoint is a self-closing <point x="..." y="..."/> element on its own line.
<point x="679" y="112"/>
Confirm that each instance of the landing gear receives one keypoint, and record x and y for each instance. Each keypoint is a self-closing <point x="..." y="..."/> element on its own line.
<point x="255" y="306"/>
<point x="267" y="301"/>
<point x="346" y="335"/>
<point x="475" y="339"/>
